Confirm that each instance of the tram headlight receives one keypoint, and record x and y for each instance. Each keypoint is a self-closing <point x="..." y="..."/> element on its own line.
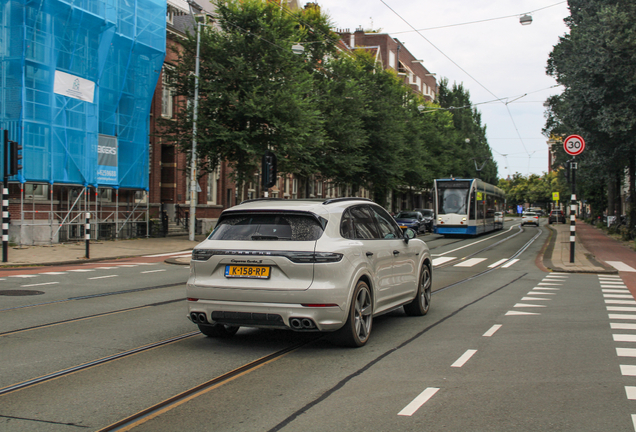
<point x="463" y="219"/>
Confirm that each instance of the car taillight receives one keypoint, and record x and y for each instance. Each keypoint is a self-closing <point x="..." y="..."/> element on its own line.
<point x="313" y="257"/>
<point x="203" y="254"/>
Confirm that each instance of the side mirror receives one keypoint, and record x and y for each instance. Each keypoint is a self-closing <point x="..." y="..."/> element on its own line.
<point x="409" y="233"/>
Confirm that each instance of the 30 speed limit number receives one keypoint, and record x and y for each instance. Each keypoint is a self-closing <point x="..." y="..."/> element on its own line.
<point x="574" y="145"/>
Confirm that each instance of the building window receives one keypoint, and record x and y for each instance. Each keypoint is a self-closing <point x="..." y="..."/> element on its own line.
<point x="295" y="188"/>
<point x="166" y="95"/>
<point x="141" y="197"/>
<point x="212" y="187"/>
<point x="319" y="189"/>
<point x="36" y="191"/>
<point x="105" y="194"/>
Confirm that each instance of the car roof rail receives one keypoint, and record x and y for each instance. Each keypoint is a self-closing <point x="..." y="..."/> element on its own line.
<point x="335" y="200"/>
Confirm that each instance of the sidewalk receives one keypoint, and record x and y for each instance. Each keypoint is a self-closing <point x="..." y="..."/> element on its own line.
<point x="555" y="254"/>
<point x="100" y="250"/>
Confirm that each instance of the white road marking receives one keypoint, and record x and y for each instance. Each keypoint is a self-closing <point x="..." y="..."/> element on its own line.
<point x="631" y="392"/>
<point x="540" y="293"/>
<point x="634" y="420"/>
<point x="626" y="352"/>
<point x="624" y="338"/>
<point x="615" y="290"/>
<point x="128" y="265"/>
<point x="546" y="289"/>
<point x="628" y="370"/>
<point x="508" y="264"/>
<point x="492" y="330"/>
<point x="613" y="286"/>
<point x="169" y="254"/>
<point x="623" y="302"/>
<point x="442" y="260"/>
<point x="464" y="358"/>
<point x="624" y="296"/>
<point x="103" y="277"/>
<point x="521" y="313"/>
<point x="470" y="262"/>
<point x="423" y="397"/>
<point x="621" y="266"/>
<point x="559" y="274"/>
<point x="620" y="309"/>
<point x="39" y="284"/>
<point x="611" y="282"/>
<point x="556" y="277"/>
<point x="153" y="271"/>
<point x="501" y="261"/>
<point x="106" y="268"/>
<point x="533" y="298"/>
<point x="621" y="316"/>
<point x="24" y="276"/>
<point x="82" y="270"/>
<point x="622" y="326"/>
<point x="53" y="273"/>
<point x="549" y="283"/>
<point x="520" y="305"/>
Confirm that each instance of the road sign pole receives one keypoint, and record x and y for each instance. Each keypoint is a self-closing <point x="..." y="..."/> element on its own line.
<point x="5" y="199"/>
<point x="573" y="212"/>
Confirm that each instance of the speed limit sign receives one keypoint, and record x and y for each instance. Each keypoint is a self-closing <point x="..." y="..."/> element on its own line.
<point x="574" y="145"/>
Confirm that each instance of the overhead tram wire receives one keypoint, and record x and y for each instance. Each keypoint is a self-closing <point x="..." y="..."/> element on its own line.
<point x="460" y="68"/>
<point x="480" y="21"/>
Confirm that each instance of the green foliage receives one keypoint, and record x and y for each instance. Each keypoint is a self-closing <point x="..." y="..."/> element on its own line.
<point x="596" y="64"/>
<point x="328" y="113"/>
<point x="533" y="190"/>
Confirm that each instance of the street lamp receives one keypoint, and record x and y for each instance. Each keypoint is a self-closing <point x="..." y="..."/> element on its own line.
<point x="525" y="19"/>
<point x="195" y="110"/>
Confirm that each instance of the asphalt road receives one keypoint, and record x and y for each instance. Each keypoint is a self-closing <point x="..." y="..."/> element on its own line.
<point x="503" y="348"/>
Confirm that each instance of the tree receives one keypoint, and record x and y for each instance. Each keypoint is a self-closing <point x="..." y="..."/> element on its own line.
<point x="596" y="64"/>
<point x="254" y="93"/>
<point x="471" y="149"/>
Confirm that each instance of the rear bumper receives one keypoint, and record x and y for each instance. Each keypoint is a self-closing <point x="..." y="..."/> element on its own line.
<point x="268" y="315"/>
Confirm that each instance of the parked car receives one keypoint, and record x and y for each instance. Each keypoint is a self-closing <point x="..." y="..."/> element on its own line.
<point x="411" y="219"/>
<point x="429" y="217"/>
<point x="292" y="264"/>
<point x="556" y="216"/>
<point x="529" y="218"/>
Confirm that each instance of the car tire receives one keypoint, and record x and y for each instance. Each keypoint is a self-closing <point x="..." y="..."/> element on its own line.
<point x="422" y="301"/>
<point x="220" y="331"/>
<point x="357" y="329"/>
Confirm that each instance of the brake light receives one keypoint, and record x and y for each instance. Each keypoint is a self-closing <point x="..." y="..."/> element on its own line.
<point x="192" y="299"/>
<point x="313" y="257"/>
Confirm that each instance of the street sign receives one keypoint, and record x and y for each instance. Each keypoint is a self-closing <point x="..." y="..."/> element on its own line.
<point x="574" y="145"/>
<point x="555" y="196"/>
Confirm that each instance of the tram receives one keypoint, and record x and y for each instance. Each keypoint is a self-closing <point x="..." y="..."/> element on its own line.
<point x="467" y="206"/>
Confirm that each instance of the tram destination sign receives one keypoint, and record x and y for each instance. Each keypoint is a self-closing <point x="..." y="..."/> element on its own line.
<point x="574" y="145"/>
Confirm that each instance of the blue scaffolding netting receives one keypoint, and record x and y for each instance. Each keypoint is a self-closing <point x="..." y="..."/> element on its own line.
<point x="76" y="83"/>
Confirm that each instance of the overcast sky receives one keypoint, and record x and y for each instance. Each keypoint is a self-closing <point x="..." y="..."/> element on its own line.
<point x="494" y="59"/>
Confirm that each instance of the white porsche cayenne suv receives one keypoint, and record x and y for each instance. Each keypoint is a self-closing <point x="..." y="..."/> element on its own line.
<point x="307" y="265"/>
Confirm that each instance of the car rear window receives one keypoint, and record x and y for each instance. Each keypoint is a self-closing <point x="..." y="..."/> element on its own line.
<point x="407" y="215"/>
<point x="289" y="227"/>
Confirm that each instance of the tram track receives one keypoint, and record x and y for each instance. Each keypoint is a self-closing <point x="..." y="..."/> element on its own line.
<point x="92" y="296"/>
<point x="172" y="402"/>
<point x="82" y="318"/>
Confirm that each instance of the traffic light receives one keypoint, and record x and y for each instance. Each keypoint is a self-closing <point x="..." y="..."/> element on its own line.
<point x="269" y="169"/>
<point x="15" y="158"/>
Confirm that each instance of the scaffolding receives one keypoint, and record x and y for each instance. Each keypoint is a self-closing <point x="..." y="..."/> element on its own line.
<point x="77" y="79"/>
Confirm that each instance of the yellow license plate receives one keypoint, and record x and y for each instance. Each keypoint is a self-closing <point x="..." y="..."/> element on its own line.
<point x="241" y="271"/>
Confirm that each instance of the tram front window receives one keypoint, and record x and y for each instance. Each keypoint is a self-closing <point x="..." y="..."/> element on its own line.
<point x="453" y="200"/>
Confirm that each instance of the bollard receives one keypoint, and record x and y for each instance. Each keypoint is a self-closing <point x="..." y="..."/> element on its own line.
<point x="87" y="235"/>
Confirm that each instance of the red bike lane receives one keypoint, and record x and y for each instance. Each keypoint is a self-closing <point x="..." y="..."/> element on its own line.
<point x="607" y="249"/>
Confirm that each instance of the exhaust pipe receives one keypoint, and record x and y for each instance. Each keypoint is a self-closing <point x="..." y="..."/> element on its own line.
<point x="194" y="317"/>
<point x="202" y="318"/>
<point x="295" y="323"/>
<point x="307" y="323"/>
